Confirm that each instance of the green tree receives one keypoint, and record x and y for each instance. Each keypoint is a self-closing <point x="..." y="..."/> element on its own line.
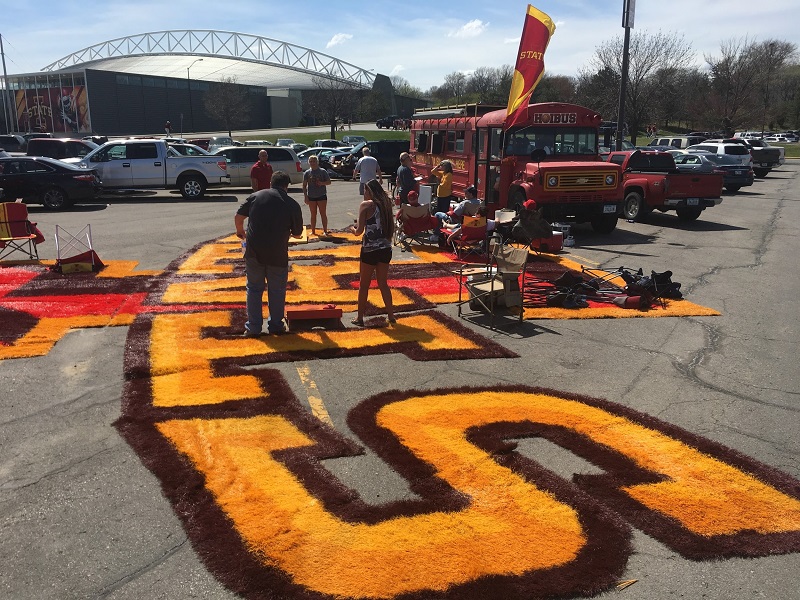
<point x="228" y="103"/>
<point x="331" y="101"/>
<point x="649" y="55"/>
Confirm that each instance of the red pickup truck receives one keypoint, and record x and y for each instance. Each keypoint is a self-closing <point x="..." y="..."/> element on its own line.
<point x="652" y="182"/>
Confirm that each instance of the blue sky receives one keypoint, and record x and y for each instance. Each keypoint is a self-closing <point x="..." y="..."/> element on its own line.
<point x="421" y="41"/>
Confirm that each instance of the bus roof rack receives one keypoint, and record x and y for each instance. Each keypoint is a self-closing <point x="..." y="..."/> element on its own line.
<point x="457" y="110"/>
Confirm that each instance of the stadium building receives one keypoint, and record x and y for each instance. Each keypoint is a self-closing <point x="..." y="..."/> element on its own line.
<point x="134" y="85"/>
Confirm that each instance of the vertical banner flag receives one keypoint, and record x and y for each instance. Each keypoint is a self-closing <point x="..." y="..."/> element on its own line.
<point x="529" y="69"/>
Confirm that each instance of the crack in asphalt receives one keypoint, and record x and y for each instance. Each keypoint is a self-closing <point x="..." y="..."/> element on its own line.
<point x="8" y="484"/>
<point x="714" y="335"/>
<point x="122" y="581"/>
<point x="67" y="402"/>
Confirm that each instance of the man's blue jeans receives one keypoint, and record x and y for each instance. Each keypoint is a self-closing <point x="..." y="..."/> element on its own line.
<point x="276" y="278"/>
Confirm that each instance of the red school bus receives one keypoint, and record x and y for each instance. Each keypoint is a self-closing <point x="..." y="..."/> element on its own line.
<point x="550" y="157"/>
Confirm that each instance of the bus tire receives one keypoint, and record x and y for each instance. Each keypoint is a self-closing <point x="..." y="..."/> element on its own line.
<point x="604" y="224"/>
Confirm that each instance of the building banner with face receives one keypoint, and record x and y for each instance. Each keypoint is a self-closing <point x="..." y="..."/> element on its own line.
<point x="58" y="109"/>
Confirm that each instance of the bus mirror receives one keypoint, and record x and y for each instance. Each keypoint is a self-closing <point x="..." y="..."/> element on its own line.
<point x="538" y="155"/>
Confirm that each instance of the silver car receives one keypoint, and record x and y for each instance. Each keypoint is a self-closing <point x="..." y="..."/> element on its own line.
<point x="241" y="159"/>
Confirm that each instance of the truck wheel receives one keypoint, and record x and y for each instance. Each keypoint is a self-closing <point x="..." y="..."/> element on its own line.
<point x="733" y="188"/>
<point x="192" y="187"/>
<point x="688" y="214"/>
<point x="55" y="199"/>
<point x="604" y="224"/>
<point x="634" y="207"/>
<point x="761" y="172"/>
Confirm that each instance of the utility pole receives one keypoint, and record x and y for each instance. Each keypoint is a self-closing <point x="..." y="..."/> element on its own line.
<point x="189" y="85"/>
<point x="628" y="10"/>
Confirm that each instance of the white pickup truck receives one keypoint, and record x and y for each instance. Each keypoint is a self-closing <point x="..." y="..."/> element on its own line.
<point x="150" y="163"/>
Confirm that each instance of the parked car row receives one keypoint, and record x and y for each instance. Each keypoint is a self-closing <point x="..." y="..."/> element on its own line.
<point x="58" y="172"/>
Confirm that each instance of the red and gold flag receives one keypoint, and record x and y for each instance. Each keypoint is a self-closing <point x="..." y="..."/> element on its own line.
<point x="536" y="34"/>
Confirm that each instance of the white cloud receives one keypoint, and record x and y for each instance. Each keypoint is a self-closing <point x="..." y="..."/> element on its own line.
<point x="511" y="40"/>
<point x="470" y="30"/>
<point x="339" y="38"/>
<point x="397" y="70"/>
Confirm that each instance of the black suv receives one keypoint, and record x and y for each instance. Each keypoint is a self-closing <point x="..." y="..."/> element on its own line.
<point x="59" y="147"/>
<point x="387" y="122"/>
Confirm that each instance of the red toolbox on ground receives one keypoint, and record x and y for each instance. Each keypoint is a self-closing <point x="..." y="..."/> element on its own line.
<point x="309" y="312"/>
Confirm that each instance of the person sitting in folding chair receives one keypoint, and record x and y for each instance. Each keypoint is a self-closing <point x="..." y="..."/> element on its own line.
<point x="469" y="207"/>
<point x="455" y="228"/>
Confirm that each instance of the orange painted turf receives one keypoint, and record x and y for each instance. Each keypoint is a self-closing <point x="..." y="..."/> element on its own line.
<point x="211" y="277"/>
<point x="242" y="461"/>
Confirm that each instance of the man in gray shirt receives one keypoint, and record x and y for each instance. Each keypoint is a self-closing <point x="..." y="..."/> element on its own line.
<point x="406" y="180"/>
<point x="367" y="169"/>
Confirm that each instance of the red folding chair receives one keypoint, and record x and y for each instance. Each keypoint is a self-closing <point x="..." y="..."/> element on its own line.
<point x="17" y="233"/>
<point x="470" y="238"/>
<point x="415" y="223"/>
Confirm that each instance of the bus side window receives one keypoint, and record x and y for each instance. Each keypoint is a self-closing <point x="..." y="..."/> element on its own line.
<point x="437" y="143"/>
<point x="422" y="142"/>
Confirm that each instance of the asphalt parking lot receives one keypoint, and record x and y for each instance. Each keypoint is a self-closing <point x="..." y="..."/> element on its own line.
<point x="81" y="517"/>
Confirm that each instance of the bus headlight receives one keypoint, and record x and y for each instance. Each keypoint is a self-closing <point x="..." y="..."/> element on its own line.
<point x="552" y="181"/>
<point x="609" y="179"/>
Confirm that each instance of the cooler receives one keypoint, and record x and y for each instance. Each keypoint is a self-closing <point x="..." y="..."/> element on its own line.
<point x="552" y="244"/>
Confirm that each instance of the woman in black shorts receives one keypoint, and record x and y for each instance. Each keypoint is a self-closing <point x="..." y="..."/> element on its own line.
<point x="315" y="196"/>
<point x="376" y="222"/>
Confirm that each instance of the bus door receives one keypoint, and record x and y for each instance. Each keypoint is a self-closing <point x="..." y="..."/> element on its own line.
<point x="488" y="166"/>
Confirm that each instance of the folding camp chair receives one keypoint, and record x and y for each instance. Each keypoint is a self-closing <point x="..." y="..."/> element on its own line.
<point x="503" y="285"/>
<point x="470" y="238"/>
<point x="75" y="252"/>
<point x="414" y="224"/>
<point x="17" y="233"/>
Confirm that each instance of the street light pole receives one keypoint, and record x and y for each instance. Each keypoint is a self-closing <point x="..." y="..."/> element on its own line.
<point x="189" y="86"/>
<point x="628" y="11"/>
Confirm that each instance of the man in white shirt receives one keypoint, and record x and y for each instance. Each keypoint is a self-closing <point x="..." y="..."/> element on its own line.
<point x="367" y="169"/>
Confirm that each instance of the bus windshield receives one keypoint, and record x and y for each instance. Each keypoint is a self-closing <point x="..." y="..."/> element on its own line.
<point x="553" y="140"/>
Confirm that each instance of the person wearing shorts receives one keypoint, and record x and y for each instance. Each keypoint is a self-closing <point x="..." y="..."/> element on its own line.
<point x="315" y="182"/>
<point x="376" y="222"/>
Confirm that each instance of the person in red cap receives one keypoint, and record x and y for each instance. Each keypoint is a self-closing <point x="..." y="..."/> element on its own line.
<point x="413" y="198"/>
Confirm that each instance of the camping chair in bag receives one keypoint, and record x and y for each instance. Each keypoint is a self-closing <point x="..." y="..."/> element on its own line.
<point x="470" y="238"/>
<point x="17" y="233"/>
<point x="529" y="227"/>
<point x="504" y="287"/>
<point x="414" y="224"/>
